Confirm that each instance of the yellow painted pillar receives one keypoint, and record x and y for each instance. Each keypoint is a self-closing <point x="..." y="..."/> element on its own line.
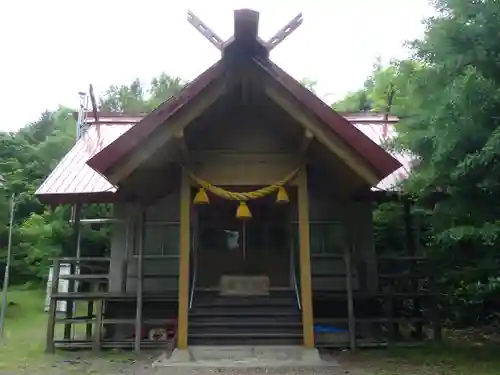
<point x="184" y="245"/>
<point x="305" y="259"/>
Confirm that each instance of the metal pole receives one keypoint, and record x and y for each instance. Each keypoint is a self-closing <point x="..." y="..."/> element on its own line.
<point x="7" y="268"/>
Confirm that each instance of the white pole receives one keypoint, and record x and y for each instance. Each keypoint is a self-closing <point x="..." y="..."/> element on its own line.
<point x="7" y="268"/>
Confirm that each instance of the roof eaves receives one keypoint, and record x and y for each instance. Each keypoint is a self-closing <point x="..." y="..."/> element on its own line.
<point x="379" y="159"/>
<point x="72" y="198"/>
<point x="110" y="155"/>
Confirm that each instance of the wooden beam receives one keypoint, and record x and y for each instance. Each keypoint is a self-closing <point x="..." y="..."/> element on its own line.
<point x="95" y="110"/>
<point x="284" y="32"/>
<point x="167" y="131"/>
<point x="334" y="144"/>
<point x="224" y="155"/>
<point x="183" y="148"/>
<point x="305" y="259"/>
<point x="246" y="25"/>
<point x="204" y="30"/>
<point x="184" y="247"/>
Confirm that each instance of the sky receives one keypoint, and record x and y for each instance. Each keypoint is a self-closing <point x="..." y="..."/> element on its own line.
<point x="52" y="49"/>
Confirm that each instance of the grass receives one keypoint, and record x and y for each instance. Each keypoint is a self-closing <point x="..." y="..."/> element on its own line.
<point x="23" y="345"/>
<point x="22" y="351"/>
<point x="24" y="337"/>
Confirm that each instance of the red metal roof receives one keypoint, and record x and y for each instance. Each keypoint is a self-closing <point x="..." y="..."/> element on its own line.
<point x="375" y="156"/>
<point x="380" y="130"/>
<point x="73" y="180"/>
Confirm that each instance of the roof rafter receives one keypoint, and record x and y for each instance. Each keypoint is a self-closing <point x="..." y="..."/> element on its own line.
<point x="204" y="30"/>
<point x="284" y="32"/>
<point x="244" y="15"/>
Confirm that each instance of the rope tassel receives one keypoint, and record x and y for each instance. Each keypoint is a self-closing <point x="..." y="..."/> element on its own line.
<point x="243" y="211"/>
<point x="282" y="196"/>
<point x="201" y="197"/>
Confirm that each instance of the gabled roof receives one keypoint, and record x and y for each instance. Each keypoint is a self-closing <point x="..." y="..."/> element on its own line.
<point x="382" y="163"/>
<point x="81" y="175"/>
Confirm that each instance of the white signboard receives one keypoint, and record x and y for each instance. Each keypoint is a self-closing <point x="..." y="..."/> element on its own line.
<point x="63" y="287"/>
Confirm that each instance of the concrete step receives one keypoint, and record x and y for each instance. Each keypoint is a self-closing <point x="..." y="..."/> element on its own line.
<point x="238" y="339"/>
<point x="243" y="311"/>
<point x="245" y="320"/>
<point x="251" y="320"/>
<point x="245" y="301"/>
<point x="247" y="331"/>
<point x="206" y="353"/>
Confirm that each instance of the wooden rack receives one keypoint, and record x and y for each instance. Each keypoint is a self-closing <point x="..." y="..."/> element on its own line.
<point x="395" y="290"/>
<point x="95" y="319"/>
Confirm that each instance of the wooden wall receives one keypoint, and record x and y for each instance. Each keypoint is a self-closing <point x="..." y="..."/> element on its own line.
<point x="161" y="246"/>
<point x="329" y="234"/>
<point x="238" y="147"/>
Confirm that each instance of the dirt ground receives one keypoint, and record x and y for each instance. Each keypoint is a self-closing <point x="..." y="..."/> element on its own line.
<point x="380" y="362"/>
<point x="129" y="364"/>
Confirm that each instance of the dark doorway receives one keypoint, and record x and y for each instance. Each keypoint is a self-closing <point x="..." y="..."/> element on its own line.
<point x="259" y="246"/>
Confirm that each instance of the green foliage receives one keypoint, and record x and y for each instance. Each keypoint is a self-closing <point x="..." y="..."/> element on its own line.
<point x="309" y="83"/>
<point x="134" y="98"/>
<point x="353" y="102"/>
<point x="397" y="78"/>
<point x="28" y="156"/>
<point x="448" y="97"/>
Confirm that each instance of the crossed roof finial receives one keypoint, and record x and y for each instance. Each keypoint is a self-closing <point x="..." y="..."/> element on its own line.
<point x="219" y="43"/>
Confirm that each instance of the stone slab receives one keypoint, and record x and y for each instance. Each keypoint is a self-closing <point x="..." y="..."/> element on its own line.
<point x="245" y="357"/>
<point x="241" y="285"/>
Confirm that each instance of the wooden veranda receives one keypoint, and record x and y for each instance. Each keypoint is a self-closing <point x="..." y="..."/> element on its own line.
<point x="402" y="310"/>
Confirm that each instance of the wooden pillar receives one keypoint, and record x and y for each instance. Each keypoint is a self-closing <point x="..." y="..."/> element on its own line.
<point x="139" y="283"/>
<point x="412" y="249"/>
<point x="305" y="259"/>
<point x="72" y="286"/>
<point x="96" y="341"/>
<point x="128" y="247"/>
<point x="184" y="246"/>
<point x="434" y="310"/>
<point x="351" y="319"/>
<point x="90" y="315"/>
<point x="51" y="324"/>
<point x="408" y="220"/>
